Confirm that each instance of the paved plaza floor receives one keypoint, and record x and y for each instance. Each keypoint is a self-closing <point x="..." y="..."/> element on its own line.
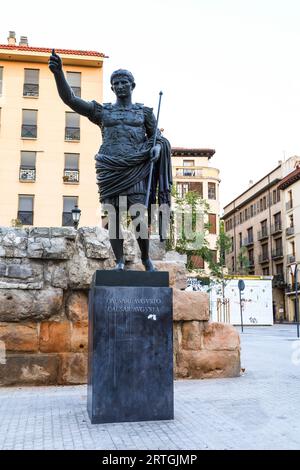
<point x="259" y="410"/>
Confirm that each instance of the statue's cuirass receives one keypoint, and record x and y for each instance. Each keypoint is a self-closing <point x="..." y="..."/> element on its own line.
<point x="123" y="129"/>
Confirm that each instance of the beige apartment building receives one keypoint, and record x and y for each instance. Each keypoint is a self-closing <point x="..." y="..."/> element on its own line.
<point x="258" y="222"/>
<point x="46" y="151"/>
<point x="192" y="172"/>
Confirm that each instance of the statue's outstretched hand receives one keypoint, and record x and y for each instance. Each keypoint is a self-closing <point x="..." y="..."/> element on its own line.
<point x="155" y="153"/>
<point x="55" y="62"/>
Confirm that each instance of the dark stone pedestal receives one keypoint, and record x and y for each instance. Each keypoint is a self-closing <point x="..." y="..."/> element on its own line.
<point x="130" y="347"/>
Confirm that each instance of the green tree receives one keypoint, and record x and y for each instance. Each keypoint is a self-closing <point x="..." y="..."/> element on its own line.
<point x="243" y="261"/>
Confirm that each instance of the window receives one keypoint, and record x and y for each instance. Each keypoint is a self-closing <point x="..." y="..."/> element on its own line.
<point x="265" y="251"/>
<point x="72" y="131"/>
<point x="264" y="203"/>
<point x="232" y="264"/>
<point x="278" y="195"/>
<point x="279" y="268"/>
<point x="251" y="210"/>
<point x="31" y="82"/>
<point x="69" y="203"/>
<point x="232" y="244"/>
<point x="71" y="170"/>
<point x="266" y="271"/>
<point x="240" y="239"/>
<point x="251" y="257"/>
<point x="27" y="166"/>
<point x="197" y="187"/>
<point x="250" y="235"/>
<point x="212" y="220"/>
<point x="188" y="172"/>
<point x="274" y="196"/>
<point x="1" y="80"/>
<point x="182" y="189"/>
<point x="74" y="80"/>
<point x="211" y="190"/>
<point x="197" y="262"/>
<point x="29" y="124"/>
<point x="25" y="212"/>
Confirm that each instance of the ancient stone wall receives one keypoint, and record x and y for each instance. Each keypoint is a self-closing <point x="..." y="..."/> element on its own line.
<point x="45" y="274"/>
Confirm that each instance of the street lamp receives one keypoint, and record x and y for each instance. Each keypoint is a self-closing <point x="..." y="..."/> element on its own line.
<point x="76" y="216"/>
<point x="294" y="270"/>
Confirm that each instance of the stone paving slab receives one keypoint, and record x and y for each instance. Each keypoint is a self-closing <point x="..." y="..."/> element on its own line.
<point x="259" y="410"/>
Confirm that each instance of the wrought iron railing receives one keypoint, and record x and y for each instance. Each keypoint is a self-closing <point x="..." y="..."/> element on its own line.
<point x="277" y="253"/>
<point x="71" y="176"/>
<point x="248" y="241"/>
<point x="67" y="220"/>
<point x="72" y="133"/>
<point x="27" y="174"/>
<point x="76" y="90"/>
<point x="26" y="217"/>
<point x="261" y="234"/>
<point x="30" y="89"/>
<point x="29" y="131"/>
<point x="289" y="204"/>
<point x="276" y="228"/>
<point x="291" y="259"/>
<point x="263" y="258"/>
<point x="289" y="231"/>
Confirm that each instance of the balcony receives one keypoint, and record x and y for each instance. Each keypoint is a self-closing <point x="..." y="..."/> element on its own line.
<point x="29" y="131"/>
<point x="189" y="171"/>
<point x="276" y="228"/>
<point x="67" y="220"/>
<point x="289" y="231"/>
<point x="27" y="174"/>
<point x="277" y="253"/>
<point x="289" y="205"/>
<point x="263" y="258"/>
<point x="76" y="90"/>
<point x="291" y="259"/>
<point x="72" y="133"/>
<point x="262" y="234"/>
<point x="278" y="280"/>
<point x="248" y="241"/>
<point x="71" y="176"/>
<point x="251" y="263"/>
<point x="30" y="89"/>
<point x="26" y="217"/>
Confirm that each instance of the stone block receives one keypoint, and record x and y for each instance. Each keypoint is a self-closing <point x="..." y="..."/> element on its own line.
<point x="81" y="269"/>
<point x="220" y="337"/>
<point x="190" y="305"/>
<point x="73" y="369"/>
<point x="19" y="337"/>
<point x="55" y="337"/>
<point x="50" y="248"/>
<point x="66" y="232"/>
<point x="95" y="242"/>
<point x="192" y="335"/>
<point x="29" y="369"/>
<point x="20" y="274"/>
<point x="79" y="337"/>
<point x="13" y="242"/>
<point x="56" y="273"/>
<point x="17" y="305"/>
<point x="206" y="364"/>
<point x="77" y="306"/>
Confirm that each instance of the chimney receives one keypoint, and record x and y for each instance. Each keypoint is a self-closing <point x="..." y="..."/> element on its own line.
<point x="279" y="162"/>
<point x="11" y="40"/>
<point x="250" y="183"/>
<point x="23" y="41"/>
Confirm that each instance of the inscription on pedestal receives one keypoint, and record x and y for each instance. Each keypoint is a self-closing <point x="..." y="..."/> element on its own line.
<point x="130" y="352"/>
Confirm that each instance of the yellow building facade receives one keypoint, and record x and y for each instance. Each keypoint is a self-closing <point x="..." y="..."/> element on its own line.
<point x="46" y="151"/>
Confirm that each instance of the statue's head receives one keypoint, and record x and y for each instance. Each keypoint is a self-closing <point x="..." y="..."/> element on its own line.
<point x="122" y="82"/>
<point x="122" y="73"/>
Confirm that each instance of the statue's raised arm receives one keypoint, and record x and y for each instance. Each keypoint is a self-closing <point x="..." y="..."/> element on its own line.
<point x="78" y="105"/>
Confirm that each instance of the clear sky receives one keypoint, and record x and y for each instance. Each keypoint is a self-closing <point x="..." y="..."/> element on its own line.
<point x="229" y="69"/>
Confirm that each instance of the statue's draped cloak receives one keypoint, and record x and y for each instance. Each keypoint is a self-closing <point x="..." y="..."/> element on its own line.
<point x="122" y="163"/>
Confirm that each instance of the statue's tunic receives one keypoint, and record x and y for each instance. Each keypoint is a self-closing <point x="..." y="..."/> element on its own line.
<point x="122" y="163"/>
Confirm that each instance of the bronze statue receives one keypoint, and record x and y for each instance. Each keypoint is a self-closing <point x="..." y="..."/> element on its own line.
<point x="124" y="158"/>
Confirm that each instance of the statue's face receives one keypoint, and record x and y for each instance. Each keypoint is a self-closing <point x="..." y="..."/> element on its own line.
<point x="122" y="87"/>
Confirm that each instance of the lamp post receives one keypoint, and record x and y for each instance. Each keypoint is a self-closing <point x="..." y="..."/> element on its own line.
<point x="294" y="270"/>
<point x="76" y="216"/>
